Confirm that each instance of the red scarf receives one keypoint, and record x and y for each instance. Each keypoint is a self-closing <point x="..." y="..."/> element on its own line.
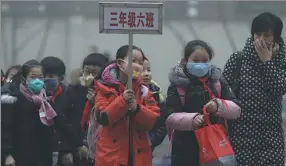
<point x="57" y="93"/>
<point x="87" y="109"/>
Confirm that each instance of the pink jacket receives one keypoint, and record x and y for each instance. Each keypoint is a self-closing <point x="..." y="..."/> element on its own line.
<point x="183" y="121"/>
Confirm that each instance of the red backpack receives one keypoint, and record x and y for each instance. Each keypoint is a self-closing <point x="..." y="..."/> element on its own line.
<point x="181" y="92"/>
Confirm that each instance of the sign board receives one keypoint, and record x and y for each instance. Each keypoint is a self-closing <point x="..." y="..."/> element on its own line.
<point x="130" y="17"/>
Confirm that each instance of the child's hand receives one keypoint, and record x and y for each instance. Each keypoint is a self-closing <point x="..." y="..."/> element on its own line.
<point x="198" y="121"/>
<point x="212" y="107"/>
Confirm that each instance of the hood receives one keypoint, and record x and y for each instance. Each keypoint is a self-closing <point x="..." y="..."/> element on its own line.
<point x="178" y="77"/>
<point x="155" y="88"/>
<point x="110" y="74"/>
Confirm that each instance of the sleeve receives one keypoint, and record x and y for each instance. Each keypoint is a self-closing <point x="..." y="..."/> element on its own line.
<point x="229" y="71"/>
<point x="109" y="113"/>
<point x="228" y="106"/>
<point x="175" y="119"/>
<point x="68" y="137"/>
<point x="7" y="114"/>
<point x="159" y="131"/>
<point x="275" y="77"/>
<point x="147" y="114"/>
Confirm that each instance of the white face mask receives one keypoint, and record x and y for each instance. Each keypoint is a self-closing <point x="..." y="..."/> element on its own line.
<point x="86" y="80"/>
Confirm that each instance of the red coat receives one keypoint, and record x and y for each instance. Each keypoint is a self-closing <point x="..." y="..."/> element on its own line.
<point x="112" y="145"/>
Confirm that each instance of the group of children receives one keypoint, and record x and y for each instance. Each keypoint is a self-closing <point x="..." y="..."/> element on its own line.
<point x="41" y="115"/>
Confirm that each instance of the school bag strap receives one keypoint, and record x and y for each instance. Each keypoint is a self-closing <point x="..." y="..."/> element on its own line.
<point x="182" y="95"/>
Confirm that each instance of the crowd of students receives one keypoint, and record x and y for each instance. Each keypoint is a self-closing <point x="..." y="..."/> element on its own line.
<point x="96" y="120"/>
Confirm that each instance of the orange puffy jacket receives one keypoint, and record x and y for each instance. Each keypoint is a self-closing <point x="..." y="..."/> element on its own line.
<point x="112" y="146"/>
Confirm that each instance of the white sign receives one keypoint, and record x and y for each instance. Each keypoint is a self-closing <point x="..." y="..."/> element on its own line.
<point x="124" y="17"/>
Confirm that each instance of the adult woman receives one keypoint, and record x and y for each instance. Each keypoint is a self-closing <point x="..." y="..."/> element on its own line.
<point x="258" y="76"/>
<point x="29" y="121"/>
<point x="200" y="81"/>
<point x="122" y="142"/>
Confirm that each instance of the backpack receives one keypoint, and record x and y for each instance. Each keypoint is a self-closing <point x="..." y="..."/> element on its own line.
<point x="93" y="132"/>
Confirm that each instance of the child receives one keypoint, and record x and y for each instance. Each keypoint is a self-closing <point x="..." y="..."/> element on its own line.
<point x="81" y="98"/>
<point x="29" y="120"/>
<point x="124" y="142"/>
<point x="198" y="78"/>
<point x="11" y="72"/>
<point x="54" y="70"/>
<point x="159" y="132"/>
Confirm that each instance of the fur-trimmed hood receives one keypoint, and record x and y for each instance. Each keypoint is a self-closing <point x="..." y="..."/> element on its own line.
<point x="178" y="77"/>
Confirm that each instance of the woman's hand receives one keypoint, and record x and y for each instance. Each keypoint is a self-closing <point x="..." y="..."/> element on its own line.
<point x="264" y="53"/>
<point x="198" y="121"/>
<point x="211" y="107"/>
<point x="9" y="161"/>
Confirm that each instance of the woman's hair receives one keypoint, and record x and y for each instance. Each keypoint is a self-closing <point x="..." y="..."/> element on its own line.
<point x="26" y="68"/>
<point x="267" y="22"/>
<point x="123" y="50"/>
<point x="197" y="44"/>
<point x="15" y="67"/>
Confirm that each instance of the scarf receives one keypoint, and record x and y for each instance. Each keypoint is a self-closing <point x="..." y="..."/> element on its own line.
<point x="46" y="112"/>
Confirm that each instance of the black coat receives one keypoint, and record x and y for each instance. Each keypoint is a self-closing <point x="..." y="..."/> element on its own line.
<point x="76" y="98"/>
<point x="185" y="146"/>
<point x="23" y="135"/>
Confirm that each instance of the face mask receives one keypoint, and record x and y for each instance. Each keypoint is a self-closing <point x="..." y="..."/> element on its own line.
<point x="198" y="69"/>
<point x="86" y="80"/>
<point x="51" y="84"/>
<point x="35" y="85"/>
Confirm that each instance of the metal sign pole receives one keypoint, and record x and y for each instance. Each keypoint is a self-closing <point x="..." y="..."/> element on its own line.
<point x="130" y="67"/>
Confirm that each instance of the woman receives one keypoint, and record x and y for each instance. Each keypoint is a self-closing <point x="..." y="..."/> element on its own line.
<point x="159" y="131"/>
<point x="258" y="76"/>
<point x="121" y="141"/>
<point x="28" y="120"/>
<point x="202" y="85"/>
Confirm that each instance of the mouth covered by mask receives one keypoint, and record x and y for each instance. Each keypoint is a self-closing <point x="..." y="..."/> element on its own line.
<point x="86" y="80"/>
<point x="51" y="84"/>
<point x="198" y="69"/>
<point x="35" y="85"/>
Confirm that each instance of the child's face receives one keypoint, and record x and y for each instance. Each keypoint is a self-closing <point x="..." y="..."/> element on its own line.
<point x="91" y="70"/>
<point x="52" y="82"/>
<point x="200" y="55"/>
<point x="35" y="73"/>
<point x="146" y="74"/>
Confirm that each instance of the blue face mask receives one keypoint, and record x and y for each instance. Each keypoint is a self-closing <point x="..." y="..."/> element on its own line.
<point x="198" y="69"/>
<point x="35" y="85"/>
<point x="51" y="84"/>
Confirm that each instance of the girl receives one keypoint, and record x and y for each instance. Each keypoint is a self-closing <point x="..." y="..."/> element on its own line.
<point x="12" y="71"/>
<point x="121" y="141"/>
<point x="199" y="80"/>
<point x="159" y="132"/>
<point x="28" y="120"/>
